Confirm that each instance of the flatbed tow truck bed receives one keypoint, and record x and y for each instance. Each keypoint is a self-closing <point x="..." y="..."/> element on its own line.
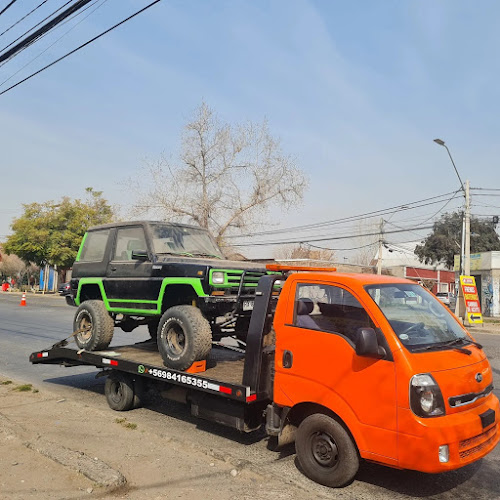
<point x="223" y="375"/>
<point x="233" y="388"/>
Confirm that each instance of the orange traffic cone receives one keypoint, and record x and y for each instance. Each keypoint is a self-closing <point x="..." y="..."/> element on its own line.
<point x="23" y="300"/>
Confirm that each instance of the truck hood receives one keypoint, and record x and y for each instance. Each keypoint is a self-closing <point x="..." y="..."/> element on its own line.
<point x="464" y="380"/>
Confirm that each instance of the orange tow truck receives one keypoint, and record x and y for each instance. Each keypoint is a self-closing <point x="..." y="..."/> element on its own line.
<point x="349" y="366"/>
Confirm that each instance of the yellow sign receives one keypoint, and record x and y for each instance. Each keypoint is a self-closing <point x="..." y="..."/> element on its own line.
<point x="456" y="262"/>
<point x="472" y="304"/>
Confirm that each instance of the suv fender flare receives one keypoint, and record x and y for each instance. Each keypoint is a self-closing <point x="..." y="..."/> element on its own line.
<point x="82" y="282"/>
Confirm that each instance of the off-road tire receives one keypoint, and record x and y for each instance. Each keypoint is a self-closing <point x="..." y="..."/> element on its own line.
<point x="184" y="336"/>
<point x="119" y="391"/>
<point x="93" y="315"/>
<point x="326" y="452"/>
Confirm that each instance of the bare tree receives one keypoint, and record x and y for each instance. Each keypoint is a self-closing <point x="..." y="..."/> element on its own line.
<point x="227" y="179"/>
<point x="300" y="252"/>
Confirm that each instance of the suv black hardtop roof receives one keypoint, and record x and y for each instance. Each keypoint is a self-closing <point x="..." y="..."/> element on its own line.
<point x="142" y="222"/>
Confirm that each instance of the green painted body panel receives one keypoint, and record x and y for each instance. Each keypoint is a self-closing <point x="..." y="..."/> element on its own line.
<point x="81" y="247"/>
<point x="195" y="283"/>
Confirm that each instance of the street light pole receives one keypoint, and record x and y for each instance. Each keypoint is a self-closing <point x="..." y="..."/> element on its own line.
<point x="465" y="250"/>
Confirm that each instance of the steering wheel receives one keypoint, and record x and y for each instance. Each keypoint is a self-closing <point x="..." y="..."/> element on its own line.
<point x="415" y="326"/>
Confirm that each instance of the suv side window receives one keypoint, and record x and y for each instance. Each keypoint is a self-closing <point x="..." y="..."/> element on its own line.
<point x="329" y="309"/>
<point x="94" y="246"/>
<point x="128" y="239"/>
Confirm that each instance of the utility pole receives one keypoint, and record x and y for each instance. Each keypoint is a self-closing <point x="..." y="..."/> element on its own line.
<point x="467" y="230"/>
<point x="380" y="246"/>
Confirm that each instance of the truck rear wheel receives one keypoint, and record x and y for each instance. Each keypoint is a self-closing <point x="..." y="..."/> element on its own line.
<point x="94" y="325"/>
<point x="119" y="391"/>
<point x="184" y="336"/>
<point x="326" y="452"/>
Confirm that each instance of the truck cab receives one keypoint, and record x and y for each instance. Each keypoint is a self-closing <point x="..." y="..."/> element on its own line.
<point x="384" y="364"/>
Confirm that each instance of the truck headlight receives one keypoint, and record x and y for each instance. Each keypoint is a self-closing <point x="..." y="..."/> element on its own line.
<point x="426" y="399"/>
<point x="218" y="278"/>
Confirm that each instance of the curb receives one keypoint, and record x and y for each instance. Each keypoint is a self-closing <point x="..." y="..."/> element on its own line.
<point x="94" y="469"/>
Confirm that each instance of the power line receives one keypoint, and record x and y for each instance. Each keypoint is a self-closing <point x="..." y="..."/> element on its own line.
<point x="342" y="249"/>
<point x="7" y="6"/>
<point x="36" y="25"/>
<point x="44" y="29"/>
<point x="377" y="213"/>
<point x="325" y="238"/>
<point x="24" y="17"/>
<point x="81" y="46"/>
<point x="56" y="41"/>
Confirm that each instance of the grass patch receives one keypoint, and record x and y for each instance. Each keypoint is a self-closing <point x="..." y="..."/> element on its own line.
<point x="128" y="425"/>
<point x="23" y="388"/>
<point x="6" y="382"/>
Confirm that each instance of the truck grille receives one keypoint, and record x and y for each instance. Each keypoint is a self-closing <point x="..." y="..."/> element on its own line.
<point x="250" y="280"/>
<point x="475" y="444"/>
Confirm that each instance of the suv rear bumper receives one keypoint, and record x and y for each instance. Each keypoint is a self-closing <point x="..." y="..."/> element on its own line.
<point x="70" y="300"/>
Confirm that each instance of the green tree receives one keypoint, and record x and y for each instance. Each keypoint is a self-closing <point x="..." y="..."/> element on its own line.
<point x="51" y="232"/>
<point x="445" y="240"/>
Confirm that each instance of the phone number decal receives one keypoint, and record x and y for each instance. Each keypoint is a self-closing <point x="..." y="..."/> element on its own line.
<point x="177" y="377"/>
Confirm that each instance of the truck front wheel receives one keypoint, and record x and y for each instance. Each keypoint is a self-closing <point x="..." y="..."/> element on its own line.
<point x="326" y="452"/>
<point x="94" y="326"/>
<point x="184" y="336"/>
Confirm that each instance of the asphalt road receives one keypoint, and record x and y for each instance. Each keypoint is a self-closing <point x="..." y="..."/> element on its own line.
<point x="46" y="320"/>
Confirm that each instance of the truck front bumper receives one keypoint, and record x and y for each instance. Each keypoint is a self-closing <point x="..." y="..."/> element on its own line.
<point x="463" y="433"/>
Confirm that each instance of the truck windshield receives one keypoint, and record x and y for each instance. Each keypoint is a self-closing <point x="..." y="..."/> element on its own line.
<point x="420" y="321"/>
<point x="182" y="240"/>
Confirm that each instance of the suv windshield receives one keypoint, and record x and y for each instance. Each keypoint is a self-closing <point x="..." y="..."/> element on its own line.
<point x="420" y="321"/>
<point x="182" y="240"/>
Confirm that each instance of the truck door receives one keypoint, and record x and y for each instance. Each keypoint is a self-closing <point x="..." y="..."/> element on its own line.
<point x="316" y="362"/>
<point x="128" y="281"/>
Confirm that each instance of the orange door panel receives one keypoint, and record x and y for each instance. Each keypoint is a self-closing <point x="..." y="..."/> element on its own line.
<point x="314" y="365"/>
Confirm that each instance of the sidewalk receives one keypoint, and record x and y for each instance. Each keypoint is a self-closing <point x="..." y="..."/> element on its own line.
<point x="490" y="325"/>
<point x="56" y="448"/>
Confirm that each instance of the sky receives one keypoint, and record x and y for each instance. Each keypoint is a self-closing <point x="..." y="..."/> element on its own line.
<point x="356" y="91"/>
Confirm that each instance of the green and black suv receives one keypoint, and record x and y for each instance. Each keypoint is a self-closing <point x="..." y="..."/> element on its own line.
<point x="171" y="277"/>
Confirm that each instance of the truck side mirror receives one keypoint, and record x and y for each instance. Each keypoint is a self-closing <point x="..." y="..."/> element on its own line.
<point x="140" y="255"/>
<point x="367" y="344"/>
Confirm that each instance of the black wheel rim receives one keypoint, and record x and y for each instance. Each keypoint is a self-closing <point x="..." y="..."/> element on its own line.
<point x="324" y="450"/>
<point x="176" y="340"/>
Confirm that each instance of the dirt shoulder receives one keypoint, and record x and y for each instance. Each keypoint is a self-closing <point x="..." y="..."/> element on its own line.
<point x="58" y="448"/>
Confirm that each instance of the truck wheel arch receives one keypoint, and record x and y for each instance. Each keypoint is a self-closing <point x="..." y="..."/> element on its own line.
<point x="89" y="291"/>
<point x="176" y="295"/>
<point x="301" y="411"/>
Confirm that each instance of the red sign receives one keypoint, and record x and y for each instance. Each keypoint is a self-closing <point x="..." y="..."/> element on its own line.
<point x="471" y="298"/>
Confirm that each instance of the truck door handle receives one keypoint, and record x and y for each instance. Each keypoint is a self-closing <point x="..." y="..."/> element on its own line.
<point x="287" y="359"/>
<point x="113" y="268"/>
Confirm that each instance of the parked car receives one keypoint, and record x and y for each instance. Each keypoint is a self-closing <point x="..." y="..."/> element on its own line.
<point x="447" y="298"/>
<point x="64" y="289"/>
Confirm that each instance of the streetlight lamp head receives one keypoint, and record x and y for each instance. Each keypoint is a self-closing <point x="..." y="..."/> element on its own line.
<point x="439" y="141"/>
